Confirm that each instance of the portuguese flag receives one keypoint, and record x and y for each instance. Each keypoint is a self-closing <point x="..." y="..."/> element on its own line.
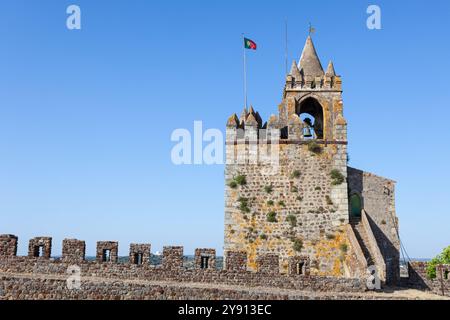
<point x="249" y="44"/>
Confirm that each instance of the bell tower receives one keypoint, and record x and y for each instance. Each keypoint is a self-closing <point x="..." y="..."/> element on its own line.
<point x="311" y="92"/>
<point x="300" y="212"/>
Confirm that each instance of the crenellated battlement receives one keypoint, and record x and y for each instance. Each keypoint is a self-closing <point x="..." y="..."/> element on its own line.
<point x="99" y="275"/>
<point x="74" y="252"/>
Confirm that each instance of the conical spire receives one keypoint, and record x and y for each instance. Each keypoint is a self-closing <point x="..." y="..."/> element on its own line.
<point x="330" y="70"/>
<point x="294" y="70"/>
<point x="309" y="62"/>
<point x="244" y="115"/>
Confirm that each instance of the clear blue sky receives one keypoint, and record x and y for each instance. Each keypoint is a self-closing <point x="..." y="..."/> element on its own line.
<point x="86" y="116"/>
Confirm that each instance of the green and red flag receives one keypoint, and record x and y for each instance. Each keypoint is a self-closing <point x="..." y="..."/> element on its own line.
<point x="249" y="44"/>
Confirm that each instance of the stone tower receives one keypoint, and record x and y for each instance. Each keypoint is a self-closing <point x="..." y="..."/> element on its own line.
<point x="287" y="190"/>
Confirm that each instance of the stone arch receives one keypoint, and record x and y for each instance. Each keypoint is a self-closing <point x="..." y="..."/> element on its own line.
<point x="310" y="106"/>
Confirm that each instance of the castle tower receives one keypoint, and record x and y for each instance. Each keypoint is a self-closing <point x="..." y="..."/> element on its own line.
<point x="302" y="208"/>
<point x="289" y="191"/>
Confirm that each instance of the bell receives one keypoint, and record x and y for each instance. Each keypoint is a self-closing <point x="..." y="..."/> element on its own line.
<point x="307" y="133"/>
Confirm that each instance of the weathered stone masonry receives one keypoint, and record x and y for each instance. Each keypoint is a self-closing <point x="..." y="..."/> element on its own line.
<point x="44" y="276"/>
<point x="302" y="204"/>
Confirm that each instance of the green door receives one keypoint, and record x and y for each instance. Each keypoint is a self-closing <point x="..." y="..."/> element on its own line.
<point x="356" y="205"/>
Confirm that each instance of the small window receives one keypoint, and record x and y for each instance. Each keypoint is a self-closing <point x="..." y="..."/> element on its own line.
<point x="300" y="268"/>
<point x="138" y="258"/>
<point x="106" y="255"/>
<point x="446" y="272"/>
<point x="38" y="251"/>
<point x="204" y="262"/>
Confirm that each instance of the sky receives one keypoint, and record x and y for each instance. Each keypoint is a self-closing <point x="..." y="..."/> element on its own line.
<point x="86" y="116"/>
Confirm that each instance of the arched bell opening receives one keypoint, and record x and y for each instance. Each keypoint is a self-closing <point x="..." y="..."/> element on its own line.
<point x="310" y="112"/>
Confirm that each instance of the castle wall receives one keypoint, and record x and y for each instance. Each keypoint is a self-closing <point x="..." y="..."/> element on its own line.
<point x="47" y="279"/>
<point x="419" y="279"/>
<point x="378" y="201"/>
<point x="73" y="250"/>
<point x="8" y="245"/>
<point x="55" y="288"/>
<point x="311" y="212"/>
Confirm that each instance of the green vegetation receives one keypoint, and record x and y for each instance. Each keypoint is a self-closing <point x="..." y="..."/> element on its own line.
<point x="318" y="189"/>
<point x="443" y="258"/>
<point x="268" y="189"/>
<point x="329" y="201"/>
<point x="294" y="189"/>
<point x="337" y="177"/>
<point x="297" y="245"/>
<point x="344" y="247"/>
<point x="233" y="184"/>
<point x="241" y="180"/>
<point x="282" y="204"/>
<point x="331" y="236"/>
<point x="263" y="237"/>
<point x="296" y="174"/>
<point x="272" y="217"/>
<point x="314" y="147"/>
<point x="292" y="220"/>
<point x="270" y="203"/>
<point x="243" y="205"/>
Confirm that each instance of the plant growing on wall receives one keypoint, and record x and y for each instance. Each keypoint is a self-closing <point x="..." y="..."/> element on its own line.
<point x="292" y="220"/>
<point x="329" y="201"/>
<point x="331" y="236"/>
<point x="281" y="204"/>
<point x="270" y="203"/>
<point x="268" y="189"/>
<point x="272" y="217"/>
<point x="243" y="205"/>
<point x="296" y="174"/>
<point x="314" y="147"/>
<point x="232" y="184"/>
<point x="443" y="258"/>
<point x="297" y="245"/>
<point x="337" y="177"/>
<point x="241" y="180"/>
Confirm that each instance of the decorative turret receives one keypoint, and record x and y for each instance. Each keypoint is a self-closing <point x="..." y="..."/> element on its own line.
<point x="309" y="75"/>
<point x="330" y="70"/>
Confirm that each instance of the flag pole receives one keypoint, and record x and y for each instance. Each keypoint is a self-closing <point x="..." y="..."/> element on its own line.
<point x="286" y="48"/>
<point x="245" y="73"/>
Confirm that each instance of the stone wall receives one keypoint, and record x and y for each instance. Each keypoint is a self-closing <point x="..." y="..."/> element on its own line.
<point x="205" y="259"/>
<point x="140" y="253"/>
<point x="107" y="251"/>
<point x="235" y="261"/>
<point x="172" y="257"/>
<point x="11" y="288"/>
<point x="8" y="245"/>
<point x="73" y="250"/>
<point x="40" y="247"/>
<point x="297" y="211"/>
<point x="418" y="278"/>
<point x="378" y="201"/>
<point x="30" y="276"/>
